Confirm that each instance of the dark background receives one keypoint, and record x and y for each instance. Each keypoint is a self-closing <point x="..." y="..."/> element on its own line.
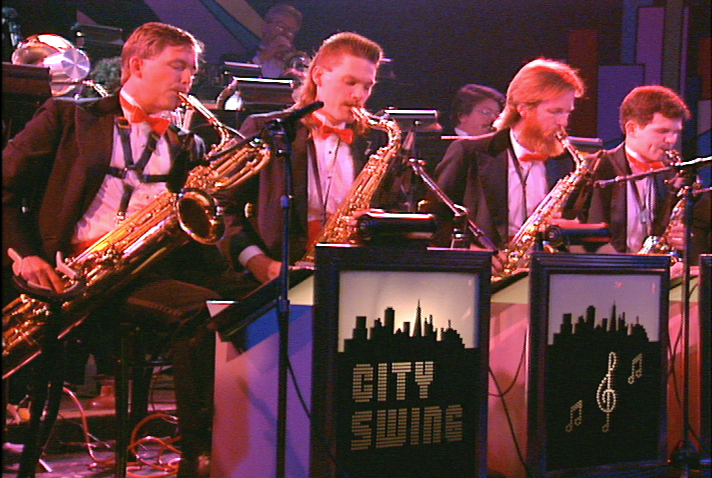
<point x="435" y="46"/>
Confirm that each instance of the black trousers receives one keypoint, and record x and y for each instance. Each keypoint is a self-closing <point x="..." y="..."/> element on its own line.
<point x="177" y="310"/>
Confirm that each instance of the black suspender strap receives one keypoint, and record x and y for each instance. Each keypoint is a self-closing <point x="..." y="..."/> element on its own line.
<point x="124" y="131"/>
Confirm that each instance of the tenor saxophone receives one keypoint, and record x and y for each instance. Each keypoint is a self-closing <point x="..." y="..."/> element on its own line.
<point x="171" y="220"/>
<point x="340" y="228"/>
<point x="517" y="254"/>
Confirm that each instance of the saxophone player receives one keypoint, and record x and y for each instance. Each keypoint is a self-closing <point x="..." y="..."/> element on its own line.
<point x="329" y="149"/>
<point x="79" y="166"/>
<point x="501" y="177"/>
<point x="651" y="118"/>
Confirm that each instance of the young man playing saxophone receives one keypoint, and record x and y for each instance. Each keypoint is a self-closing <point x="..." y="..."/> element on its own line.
<point x="330" y="147"/>
<point x="651" y="117"/>
<point x="80" y="166"/>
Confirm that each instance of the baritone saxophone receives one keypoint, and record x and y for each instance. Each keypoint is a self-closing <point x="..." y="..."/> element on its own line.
<point x="171" y="220"/>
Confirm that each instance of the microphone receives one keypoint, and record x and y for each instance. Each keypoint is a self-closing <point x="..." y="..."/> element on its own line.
<point x="408" y="143"/>
<point x="296" y="115"/>
<point x="9" y="16"/>
<point x="405" y="153"/>
<point x="285" y="126"/>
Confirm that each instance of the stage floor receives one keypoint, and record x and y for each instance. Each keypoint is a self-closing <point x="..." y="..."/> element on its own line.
<point x="67" y="457"/>
<point x="79" y="465"/>
<point x="67" y="454"/>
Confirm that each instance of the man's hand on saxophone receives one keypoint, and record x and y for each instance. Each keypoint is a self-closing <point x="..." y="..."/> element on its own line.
<point x="36" y="272"/>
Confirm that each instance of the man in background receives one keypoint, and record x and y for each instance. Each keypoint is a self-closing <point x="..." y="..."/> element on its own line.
<point x="276" y="50"/>
<point x="474" y="109"/>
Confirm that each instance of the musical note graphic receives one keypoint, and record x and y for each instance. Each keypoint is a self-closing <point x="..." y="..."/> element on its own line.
<point x="607" y="397"/>
<point x="576" y="409"/>
<point x="636" y="368"/>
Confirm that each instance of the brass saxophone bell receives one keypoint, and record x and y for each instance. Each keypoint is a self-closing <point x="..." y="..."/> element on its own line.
<point x="200" y="216"/>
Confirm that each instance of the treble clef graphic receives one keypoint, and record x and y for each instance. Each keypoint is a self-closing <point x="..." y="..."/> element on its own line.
<point x="606" y="396"/>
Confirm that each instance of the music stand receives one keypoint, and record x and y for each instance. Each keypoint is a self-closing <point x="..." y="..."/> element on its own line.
<point x="423" y="121"/>
<point x="684" y="455"/>
<point x="414" y="124"/>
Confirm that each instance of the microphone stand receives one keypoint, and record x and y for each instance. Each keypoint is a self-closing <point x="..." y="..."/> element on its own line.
<point x="283" y="132"/>
<point x="283" y="149"/>
<point x="461" y="216"/>
<point x="408" y="149"/>
<point x="694" y="163"/>
<point x="686" y="454"/>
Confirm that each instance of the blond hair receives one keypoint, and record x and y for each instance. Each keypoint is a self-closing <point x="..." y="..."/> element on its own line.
<point x="329" y="54"/>
<point x="537" y="81"/>
<point x="150" y="39"/>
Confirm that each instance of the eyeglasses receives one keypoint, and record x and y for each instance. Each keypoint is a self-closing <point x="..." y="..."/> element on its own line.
<point x="487" y="112"/>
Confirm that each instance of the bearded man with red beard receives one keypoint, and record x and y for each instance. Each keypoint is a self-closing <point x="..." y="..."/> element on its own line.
<point x="501" y="177"/>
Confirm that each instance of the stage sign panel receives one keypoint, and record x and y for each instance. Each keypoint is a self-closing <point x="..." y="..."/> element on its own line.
<point x="705" y="301"/>
<point x="597" y="390"/>
<point x="400" y="362"/>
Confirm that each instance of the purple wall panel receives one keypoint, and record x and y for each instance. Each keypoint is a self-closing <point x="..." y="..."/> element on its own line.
<point x="194" y="17"/>
<point x="649" y="50"/>
<point x="614" y="82"/>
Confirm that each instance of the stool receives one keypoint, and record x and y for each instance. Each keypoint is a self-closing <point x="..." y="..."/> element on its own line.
<point x="132" y="388"/>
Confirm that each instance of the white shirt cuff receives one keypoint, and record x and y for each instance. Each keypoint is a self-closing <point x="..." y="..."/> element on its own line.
<point x="248" y="253"/>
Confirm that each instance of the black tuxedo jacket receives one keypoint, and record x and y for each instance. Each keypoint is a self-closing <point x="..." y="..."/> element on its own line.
<point x="54" y="167"/>
<point x="263" y="194"/>
<point x="473" y="174"/>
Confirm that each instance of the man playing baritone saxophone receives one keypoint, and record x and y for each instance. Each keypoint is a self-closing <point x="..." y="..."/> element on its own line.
<point x="651" y="117"/>
<point x="79" y="166"/>
<point x="501" y="177"/>
<point x="330" y="148"/>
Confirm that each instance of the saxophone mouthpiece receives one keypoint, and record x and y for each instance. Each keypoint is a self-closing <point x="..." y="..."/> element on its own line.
<point x="672" y="157"/>
<point x="561" y="135"/>
<point x="184" y="98"/>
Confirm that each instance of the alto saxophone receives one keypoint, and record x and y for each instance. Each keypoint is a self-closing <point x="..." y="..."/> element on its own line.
<point x="663" y="244"/>
<point x="517" y="254"/>
<point x="340" y="228"/>
<point x="168" y="222"/>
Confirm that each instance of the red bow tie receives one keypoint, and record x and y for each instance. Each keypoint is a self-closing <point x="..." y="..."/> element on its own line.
<point x="324" y="131"/>
<point x="644" y="166"/>
<point x="532" y="157"/>
<point x="138" y="115"/>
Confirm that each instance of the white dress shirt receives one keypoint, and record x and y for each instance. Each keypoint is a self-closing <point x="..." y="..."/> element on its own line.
<point x="101" y="216"/>
<point x="531" y="187"/>
<point x="640" y="207"/>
